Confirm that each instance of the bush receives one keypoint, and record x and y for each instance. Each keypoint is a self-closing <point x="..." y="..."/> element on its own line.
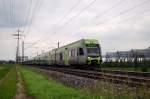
<point x="144" y="69"/>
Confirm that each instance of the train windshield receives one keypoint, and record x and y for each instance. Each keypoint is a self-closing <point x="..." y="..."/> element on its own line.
<point x="93" y="49"/>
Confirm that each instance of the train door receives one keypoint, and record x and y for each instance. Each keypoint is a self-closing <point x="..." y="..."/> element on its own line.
<point x="81" y="56"/>
<point x="66" y="57"/>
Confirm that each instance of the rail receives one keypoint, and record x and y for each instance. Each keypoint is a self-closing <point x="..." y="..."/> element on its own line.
<point x="120" y="77"/>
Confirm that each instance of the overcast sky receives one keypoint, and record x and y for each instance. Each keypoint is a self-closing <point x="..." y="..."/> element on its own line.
<point x="117" y="24"/>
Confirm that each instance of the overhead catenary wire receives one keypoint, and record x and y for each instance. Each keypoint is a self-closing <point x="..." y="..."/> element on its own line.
<point x="126" y="11"/>
<point x="27" y="14"/>
<point x="100" y="14"/>
<point x="10" y="12"/>
<point x="5" y="13"/>
<point x="31" y="15"/>
<point x="50" y="47"/>
<point x="34" y="43"/>
<point x="106" y="11"/>
<point x="14" y="17"/>
<point x="74" y="17"/>
<point x="122" y="13"/>
<point x="36" y="7"/>
<point x="61" y="19"/>
<point x="69" y="12"/>
<point x="13" y="13"/>
<point x="78" y="14"/>
<point x="125" y="20"/>
<point x="134" y="16"/>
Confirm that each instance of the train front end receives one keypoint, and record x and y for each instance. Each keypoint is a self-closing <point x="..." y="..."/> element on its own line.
<point x="93" y="50"/>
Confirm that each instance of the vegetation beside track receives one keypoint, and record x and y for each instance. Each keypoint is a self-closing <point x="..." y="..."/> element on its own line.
<point x="8" y="83"/>
<point x="40" y="87"/>
<point x="127" y="66"/>
<point x="101" y="90"/>
<point x="4" y="69"/>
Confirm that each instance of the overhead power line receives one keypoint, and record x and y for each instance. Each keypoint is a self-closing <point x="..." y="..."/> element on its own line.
<point x="105" y="11"/>
<point x="28" y="13"/>
<point x="122" y="13"/>
<point x="36" y="7"/>
<point x="69" y="12"/>
<point x="6" y="15"/>
<point x="10" y="12"/>
<point x="33" y="13"/>
<point x="61" y="18"/>
<point x="78" y="14"/>
<point x="134" y="16"/>
<point x="14" y="17"/>
<point x="126" y="11"/>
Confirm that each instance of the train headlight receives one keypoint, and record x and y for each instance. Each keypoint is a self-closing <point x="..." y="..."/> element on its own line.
<point x="89" y="58"/>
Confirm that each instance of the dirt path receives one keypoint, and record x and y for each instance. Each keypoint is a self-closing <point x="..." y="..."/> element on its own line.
<point x="20" y="92"/>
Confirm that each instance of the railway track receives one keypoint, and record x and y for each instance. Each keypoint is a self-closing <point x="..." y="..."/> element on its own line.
<point x="129" y="73"/>
<point x="118" y="77"/>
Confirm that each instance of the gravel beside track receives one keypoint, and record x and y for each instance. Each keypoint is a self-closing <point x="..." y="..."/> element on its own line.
<point x="119" y="77"/>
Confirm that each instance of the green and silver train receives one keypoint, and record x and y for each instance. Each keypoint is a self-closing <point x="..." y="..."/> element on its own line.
<point x="82" y="53"/>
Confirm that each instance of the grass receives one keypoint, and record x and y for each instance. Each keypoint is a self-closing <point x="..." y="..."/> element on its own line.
<point x="112" y="91"/>
<point x="8" y="85"/>
<point x="4" y="69"/>
<point x="40" y="87"/>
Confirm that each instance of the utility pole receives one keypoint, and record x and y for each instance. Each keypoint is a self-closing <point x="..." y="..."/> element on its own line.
<point x="17" y="50"/>
<point x="37" y="54"/>
<point x="22" y="51"/>
<point x="58" y="44"/>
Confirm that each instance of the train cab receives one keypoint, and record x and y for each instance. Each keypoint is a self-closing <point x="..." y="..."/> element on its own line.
<point x="93" y="53"/>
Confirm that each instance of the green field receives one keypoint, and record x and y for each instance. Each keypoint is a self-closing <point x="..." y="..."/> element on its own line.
<point x="40" y="86"/>
<point x="4" y="68"/>
<point x="8" y="82"/>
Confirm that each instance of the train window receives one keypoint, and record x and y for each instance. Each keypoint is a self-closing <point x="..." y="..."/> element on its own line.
<point x="61" y="56"/>
<point x="81" y="51"/>
<point x="92" y="45"/>
<point x="69" y="53"/>
<point x="93" y="50"/>
<point x="57" y="56"/>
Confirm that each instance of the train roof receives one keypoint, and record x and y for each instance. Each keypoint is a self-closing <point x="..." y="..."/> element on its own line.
<point x="78" y="43"/>
<point x="73" y="44"/>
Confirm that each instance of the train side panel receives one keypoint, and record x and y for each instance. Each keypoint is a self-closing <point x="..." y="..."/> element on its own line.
<point x="83" y="52"/>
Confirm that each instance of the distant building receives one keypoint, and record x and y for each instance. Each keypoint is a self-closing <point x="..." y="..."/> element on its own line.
<point x="131" y="55"/>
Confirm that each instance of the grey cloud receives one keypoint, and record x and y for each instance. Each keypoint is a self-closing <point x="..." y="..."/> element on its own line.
<point x="133" y="33"/>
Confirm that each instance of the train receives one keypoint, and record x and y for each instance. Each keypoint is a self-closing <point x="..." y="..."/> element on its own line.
<point x="84" y="53"/>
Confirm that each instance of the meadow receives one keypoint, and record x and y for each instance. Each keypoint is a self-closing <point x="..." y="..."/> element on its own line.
<point x="41" y="86"/>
